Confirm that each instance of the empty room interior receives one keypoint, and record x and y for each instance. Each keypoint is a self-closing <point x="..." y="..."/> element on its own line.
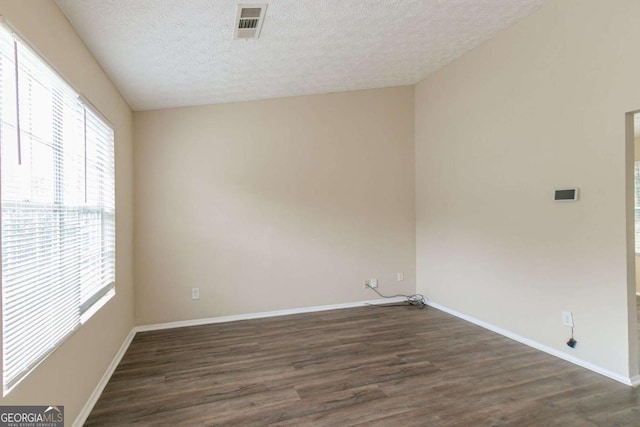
<point x="320" y="213"/>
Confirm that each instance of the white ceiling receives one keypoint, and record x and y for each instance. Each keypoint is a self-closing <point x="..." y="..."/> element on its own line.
<point x="168" y="53"/>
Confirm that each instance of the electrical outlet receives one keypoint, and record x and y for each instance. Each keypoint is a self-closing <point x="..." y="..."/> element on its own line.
<point x="195" y="293"/>
<point x="373" y="283"/>
<point x="567" y="319"/>
<point x="400" y="276"/>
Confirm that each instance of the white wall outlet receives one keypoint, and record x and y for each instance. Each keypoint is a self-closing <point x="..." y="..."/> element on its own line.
<point x="373" y="283"/>
<point x="195" y="293"/>
<point x="400" y="276"/>
<point x="567" y="319"/>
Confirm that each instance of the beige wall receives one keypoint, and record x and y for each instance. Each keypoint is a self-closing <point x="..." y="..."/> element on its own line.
<point x="637" y="274"/>
<point x="540" y="106"/>
<point x="70" y="374"/>
<point x="274" y="204"/>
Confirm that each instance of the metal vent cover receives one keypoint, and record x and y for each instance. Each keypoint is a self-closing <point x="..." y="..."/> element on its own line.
<point x="249" y="20"/>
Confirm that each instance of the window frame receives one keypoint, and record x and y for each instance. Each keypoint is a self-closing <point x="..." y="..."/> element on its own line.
<point x="103" y="294"/>
<point x="636" y="205"/>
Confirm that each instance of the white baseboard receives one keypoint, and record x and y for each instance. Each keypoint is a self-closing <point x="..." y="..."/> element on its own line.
<point x="261" y="315"/>
<point x="634" y="381"/>
<point x="93" y="399"/>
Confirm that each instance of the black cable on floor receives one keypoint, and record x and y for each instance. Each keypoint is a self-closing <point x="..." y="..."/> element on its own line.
<point x="415" y="300"/>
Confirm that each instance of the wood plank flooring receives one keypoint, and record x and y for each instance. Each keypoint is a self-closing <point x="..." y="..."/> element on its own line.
<point x="369" y="366"/>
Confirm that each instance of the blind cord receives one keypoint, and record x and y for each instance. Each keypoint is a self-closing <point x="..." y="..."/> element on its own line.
<point x="17" y="77"/>
<point x="415" y="300"/>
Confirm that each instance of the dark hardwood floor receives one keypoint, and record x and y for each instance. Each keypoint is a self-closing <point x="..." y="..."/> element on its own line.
<point x="366" y="366"/>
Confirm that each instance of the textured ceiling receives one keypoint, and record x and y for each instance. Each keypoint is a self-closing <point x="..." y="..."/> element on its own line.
<point x="168" y="53"/>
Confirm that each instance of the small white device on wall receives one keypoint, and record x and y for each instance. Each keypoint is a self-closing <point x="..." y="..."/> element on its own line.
<point x="565" y="195"/>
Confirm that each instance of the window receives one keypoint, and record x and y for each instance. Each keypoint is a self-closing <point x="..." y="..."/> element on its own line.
<point x="58" y="209"/>
<point x="637" y="204"/>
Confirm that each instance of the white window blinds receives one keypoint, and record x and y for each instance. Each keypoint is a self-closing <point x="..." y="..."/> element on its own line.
<point x="58" y="209"/>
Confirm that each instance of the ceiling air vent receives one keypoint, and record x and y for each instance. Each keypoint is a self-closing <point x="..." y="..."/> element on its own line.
<point x="249" y="20"/>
